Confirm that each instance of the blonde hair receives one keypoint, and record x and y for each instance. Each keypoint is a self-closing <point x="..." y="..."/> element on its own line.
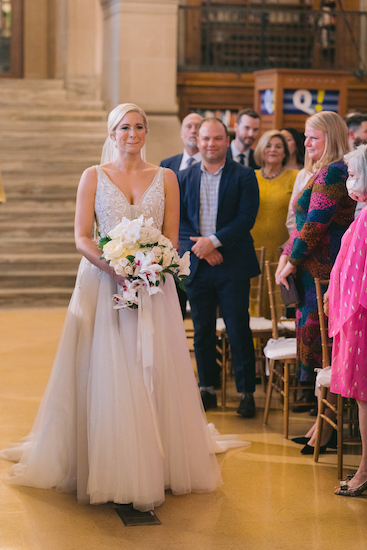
<point x="109" y="151"/>
<point x="336" y="139"/>
<point x="263" y="143"/>
<point x="120" y="111"/>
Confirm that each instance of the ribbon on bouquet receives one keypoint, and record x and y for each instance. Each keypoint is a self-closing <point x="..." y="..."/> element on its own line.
<point x="144" y="353"/>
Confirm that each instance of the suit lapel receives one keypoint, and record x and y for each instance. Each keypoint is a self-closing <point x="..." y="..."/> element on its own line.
<point x="224" y="181"/>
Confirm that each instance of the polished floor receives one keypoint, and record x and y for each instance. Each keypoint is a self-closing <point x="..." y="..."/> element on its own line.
<point x="272" y="496"/>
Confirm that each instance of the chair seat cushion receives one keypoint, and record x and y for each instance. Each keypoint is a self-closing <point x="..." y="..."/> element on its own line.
<point x="288" y="325"/>
<point x="283" y="348"/>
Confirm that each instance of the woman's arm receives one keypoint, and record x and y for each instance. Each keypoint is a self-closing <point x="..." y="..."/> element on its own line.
<point x="84" y="221"/>
<point x="172" y="207"/>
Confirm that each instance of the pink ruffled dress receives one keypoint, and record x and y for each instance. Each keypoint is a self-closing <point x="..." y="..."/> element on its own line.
<point x="348" y="313"/>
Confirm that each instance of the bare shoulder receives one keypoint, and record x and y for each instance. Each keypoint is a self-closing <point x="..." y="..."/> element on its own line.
<point x="88" y="179"/>
<point x="170" y="178"/>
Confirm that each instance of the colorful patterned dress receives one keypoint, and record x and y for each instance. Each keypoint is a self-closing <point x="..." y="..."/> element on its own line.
<point x="348" y="313"/>
<point x="323" y="213"/>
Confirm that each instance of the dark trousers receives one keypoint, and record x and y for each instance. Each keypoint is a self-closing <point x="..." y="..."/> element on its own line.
<point x="209" y="288"/>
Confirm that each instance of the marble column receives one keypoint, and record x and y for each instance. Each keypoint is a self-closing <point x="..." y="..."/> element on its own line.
<point x="140" y="66"/>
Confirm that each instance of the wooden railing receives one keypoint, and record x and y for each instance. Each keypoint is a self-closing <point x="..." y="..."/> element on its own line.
<point x="230" y="38"/>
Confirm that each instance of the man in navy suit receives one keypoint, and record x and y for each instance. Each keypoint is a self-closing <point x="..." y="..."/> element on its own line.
<point x="246" y="130"/>
<point x="219" y="204"/>
<point x="190" y="155"/>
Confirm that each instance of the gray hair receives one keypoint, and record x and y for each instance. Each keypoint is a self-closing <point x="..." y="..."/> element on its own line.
<point x="358" y="159"/>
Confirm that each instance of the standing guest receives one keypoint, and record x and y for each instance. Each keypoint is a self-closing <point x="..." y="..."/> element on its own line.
<point x="357" y="129"/>
<point x="191" y="154"/>
<point x="323" y="213"/>
<point x="219" y="203"/>
<point x="246" y="130"/>
<point x="347" y="297"/>
<point x="357" y="134"/>
<point x="275" y="184"/>
<point x="116" y="425"/>
<point x="296" y="148"/>
<point x="345" y="304"/>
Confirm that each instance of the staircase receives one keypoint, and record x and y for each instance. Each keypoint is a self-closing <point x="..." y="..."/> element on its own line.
<point x="46" y="141"/>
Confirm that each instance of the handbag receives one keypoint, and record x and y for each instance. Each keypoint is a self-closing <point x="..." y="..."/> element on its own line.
<point x="290" y="297"/>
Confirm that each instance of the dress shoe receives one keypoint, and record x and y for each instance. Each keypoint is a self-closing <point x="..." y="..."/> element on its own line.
<point x="346" y="491"/>
<point x="247" y="407"/>
<point x="209" y="399"/>
<point x="331" y="444"/>
<point x="301" y="440"/>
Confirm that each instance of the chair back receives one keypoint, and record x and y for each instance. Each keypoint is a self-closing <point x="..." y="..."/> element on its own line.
<point x="277" y="307"/>
<point x="325" y="341"/>
<point x="256" y="284"/>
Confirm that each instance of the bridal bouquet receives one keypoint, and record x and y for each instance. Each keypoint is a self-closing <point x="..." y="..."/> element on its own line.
<point x="138" y="251"/>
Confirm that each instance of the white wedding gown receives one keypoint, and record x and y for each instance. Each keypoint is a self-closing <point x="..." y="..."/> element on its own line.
<point x="99" y="432"/>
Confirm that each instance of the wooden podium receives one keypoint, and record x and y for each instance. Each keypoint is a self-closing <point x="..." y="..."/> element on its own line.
<point x="286" y="97"/>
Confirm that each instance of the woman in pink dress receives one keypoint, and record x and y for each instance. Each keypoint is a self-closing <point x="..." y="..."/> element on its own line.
<point x="346" y="301"/>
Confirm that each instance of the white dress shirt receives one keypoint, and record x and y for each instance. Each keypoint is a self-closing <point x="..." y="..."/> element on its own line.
<point x="186" y="157"/>
<point x="209" y="189"/>
<point x="236" y="154"/>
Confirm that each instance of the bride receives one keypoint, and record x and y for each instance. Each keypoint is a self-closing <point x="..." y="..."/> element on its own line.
<point x="100" y="430"/>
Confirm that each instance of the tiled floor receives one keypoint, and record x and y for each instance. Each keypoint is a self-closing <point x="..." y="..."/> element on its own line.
<point x="272" y="498"/>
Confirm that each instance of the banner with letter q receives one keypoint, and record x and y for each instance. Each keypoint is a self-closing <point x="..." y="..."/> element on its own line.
<point x="309" y="102"/>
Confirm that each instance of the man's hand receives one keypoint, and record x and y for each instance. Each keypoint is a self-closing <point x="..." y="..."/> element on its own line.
<point x="214" y="258"/>
<point x="203" y="247"/>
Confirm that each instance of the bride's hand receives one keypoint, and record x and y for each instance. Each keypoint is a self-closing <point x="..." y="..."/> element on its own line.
<point x="119" y="279"/>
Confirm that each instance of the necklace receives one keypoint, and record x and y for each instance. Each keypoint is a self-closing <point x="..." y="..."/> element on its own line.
<point x="271" y="177"/>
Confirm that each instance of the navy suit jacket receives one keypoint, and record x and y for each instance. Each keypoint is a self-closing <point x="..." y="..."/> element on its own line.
<point x="238" y="203"/>
<point x="173" y="163"/>
<point x="251" y="160"/>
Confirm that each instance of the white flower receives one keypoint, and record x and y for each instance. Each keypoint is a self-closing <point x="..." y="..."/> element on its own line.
<point x="185" y="264"/>
<point x="163" y="241"/>
<point x="113" y="249"/>
<point x="157" y="254"/>
<point x="129" y="270"/>
<point x="132" y="232"/>
<point x="167" y="257"/>
<point x="119" y="230"/>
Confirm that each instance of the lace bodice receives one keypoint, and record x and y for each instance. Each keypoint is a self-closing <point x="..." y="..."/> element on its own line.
<point x="111" y="205"/>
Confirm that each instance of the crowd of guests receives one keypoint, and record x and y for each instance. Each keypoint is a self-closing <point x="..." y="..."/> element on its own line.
<point x="299" y="206"/>
<point x="122" y="419"/>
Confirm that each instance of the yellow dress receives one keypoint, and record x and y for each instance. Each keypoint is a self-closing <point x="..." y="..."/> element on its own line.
<point x="269" y="229"/>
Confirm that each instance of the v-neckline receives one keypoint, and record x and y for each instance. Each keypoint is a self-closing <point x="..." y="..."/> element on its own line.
<point x="123" y="194"/>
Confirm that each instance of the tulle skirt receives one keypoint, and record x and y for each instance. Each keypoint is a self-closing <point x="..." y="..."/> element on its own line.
<point x="99" y="431"/>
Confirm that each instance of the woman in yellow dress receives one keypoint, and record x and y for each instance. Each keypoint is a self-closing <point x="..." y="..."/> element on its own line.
<point x="275" y="185"/>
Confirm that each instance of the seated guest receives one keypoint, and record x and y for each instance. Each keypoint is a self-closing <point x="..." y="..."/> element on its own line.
<point x="246" y="130"/>
<point x="345" y="302"/>
<point x="275" y="185"/>
<point x="295" y="141"/>
<point x="190" y="155"/>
